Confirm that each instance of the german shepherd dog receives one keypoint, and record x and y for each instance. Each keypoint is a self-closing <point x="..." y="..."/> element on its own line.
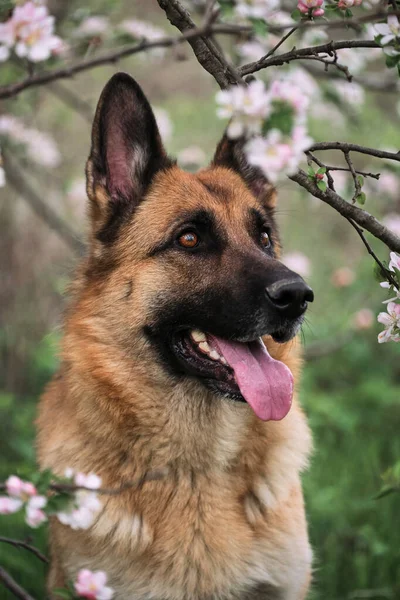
<point x="178" y="358"/>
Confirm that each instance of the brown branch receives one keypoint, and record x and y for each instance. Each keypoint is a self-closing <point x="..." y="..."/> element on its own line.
<point x="156" y="475"/>
<point x="13" y="586"/>
<point x="207" y="53"/>
<point x="345" y="147"/>
<point x="381" y="83"/>
<point x="191" y="33"/>
<point x="349" y="211"/>
<point x="301" y="53"/>
<point x="16" y="178"/>
<point x="25" y="546"/>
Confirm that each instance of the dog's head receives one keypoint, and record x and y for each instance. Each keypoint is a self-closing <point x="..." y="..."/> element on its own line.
<point x="188" y="263"/>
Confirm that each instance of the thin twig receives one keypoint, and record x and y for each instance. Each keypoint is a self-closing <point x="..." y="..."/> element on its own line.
<point x="25" y="546"/>
<point x="357" y="186"/>
<point x="281" y="41"/>
<point x="13" y="586"/>
<point x="156" y="475"/>
<point x="347" y="210"/>
<point x="384" y="271"/>
<point x="345" y="147"/>
<point x="297" y="54"/>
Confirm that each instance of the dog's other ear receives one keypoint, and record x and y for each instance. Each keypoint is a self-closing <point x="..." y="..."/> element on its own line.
<point x="230" y="154"/>
<point x="126" y="151"/>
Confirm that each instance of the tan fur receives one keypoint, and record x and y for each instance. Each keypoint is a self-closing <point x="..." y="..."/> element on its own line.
<point x="227" y="521"/>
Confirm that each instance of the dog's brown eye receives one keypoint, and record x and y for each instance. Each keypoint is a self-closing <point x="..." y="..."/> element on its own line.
<point x="189" y="239"/>
<point x="264" y="239"/>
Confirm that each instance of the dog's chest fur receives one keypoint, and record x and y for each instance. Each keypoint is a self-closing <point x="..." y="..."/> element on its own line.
<point x="231" y="529"/>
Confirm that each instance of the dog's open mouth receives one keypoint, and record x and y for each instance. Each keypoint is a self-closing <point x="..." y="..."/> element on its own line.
<point x="242" y="371"/>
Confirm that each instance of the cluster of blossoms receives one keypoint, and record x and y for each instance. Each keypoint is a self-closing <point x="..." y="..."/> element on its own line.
<point x="388" y="36"/>
<point x="273" y="120"/>
<point x="391" y="318"/>
<point x="23" y="493"/>
<point x="79" y="513"/>
<point x="30" y="33"/>
<point x="39" y="146"/>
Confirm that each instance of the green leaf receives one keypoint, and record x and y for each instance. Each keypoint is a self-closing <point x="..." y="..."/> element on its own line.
<point x="311" y="172"/>
<point x="392" y="61"/>
<point x="360" y="180"/>
<point x="361" y="198"/>
<point x="296" y="15"/>
<point x="348" y="14"/>
<point x="282" y="118"/>
<point x="62" y="593"/>
<point x="260" y="27"/>
<point x="58" y="502"/>
<point x="331" y="8"/>
<point x="321" y="171"/>
<point x="322" y="186"/>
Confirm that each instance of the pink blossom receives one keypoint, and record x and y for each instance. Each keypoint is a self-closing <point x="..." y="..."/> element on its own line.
<point x="271" y="153"/>
<point x="93" y="26"/>
<point x="363" y="319"/>
<point x="256" y="9"/>
<point x="92" y="585"/>
<point x="394" y="261"/>
<point x="298" y="262"/>
<point x="82" y="512"/>
<point x="35" y="516"/>
<point x="285" y="90"/>
<point x="247" y="107"/>
<point x="389" y="184"/>
<point x="90" y="481"/>
<point x="392" y="222"/>
<point x="192" y="156"/>
<point x="343" y="277"/>
<point x="33" y="32"/>
<point x="9" y="506"/>
<point x="20" y="489"/>
<point x="346" y="4"/>
<point x="7" y="39"/>
<point x="391" y="321"/>
<point x="312" y="7"/>
<point x="39" y="146"/>
<point x="164" y="123"/>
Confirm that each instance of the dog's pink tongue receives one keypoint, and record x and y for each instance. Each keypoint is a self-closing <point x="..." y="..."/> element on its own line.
<point x="265" y="383"/>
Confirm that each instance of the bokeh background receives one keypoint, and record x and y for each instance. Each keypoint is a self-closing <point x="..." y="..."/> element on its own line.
<point x="350" y="387"/>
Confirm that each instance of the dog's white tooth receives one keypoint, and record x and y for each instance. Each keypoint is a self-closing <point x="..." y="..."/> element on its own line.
<point x="214" y="355"/>
<point x="223" y="360"/>
<point x="204" y="347"/>
<point x="198" y="335"/>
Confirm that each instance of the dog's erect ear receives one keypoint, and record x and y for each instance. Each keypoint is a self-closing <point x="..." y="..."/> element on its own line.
<point x="126" y="149"/>
<point x="230" y="153"/>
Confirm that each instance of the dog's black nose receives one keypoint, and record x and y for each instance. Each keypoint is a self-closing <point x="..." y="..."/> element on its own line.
<point x="290" y="296"/>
